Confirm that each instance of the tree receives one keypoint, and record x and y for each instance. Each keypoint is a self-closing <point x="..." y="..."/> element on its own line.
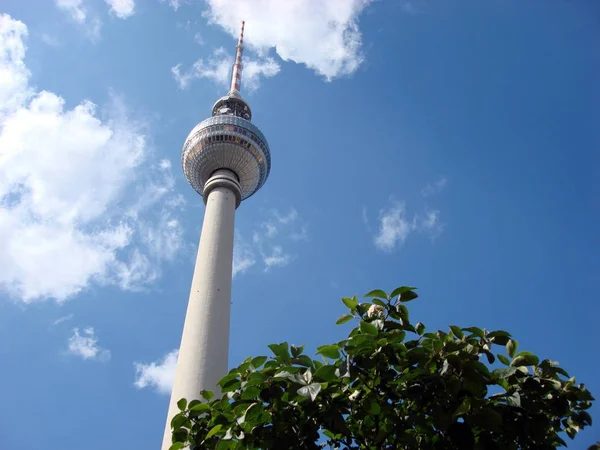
<point x="390" y="385"/>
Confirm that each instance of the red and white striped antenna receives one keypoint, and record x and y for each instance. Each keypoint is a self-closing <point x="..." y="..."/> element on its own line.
<point x="236" y="76"/>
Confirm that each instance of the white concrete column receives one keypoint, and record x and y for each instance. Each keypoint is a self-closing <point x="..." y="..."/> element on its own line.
<point x="204" y="349"/>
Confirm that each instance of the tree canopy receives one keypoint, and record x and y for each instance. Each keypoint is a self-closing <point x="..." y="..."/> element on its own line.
<point x="390" y="385"/>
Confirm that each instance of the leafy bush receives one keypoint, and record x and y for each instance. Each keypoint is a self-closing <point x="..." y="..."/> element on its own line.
<point x="390" y="385"/>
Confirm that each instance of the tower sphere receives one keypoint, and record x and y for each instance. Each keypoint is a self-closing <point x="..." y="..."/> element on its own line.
<point x="227" y="141"/>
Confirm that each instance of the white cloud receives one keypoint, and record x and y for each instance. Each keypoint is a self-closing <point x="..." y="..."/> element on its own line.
<point x="431" y="224"/>
<point x="175" y="4"/>
<point x="62" y="319"/>
<point x="14" y="75"/>
<point x="301" y="235"/>
<point x="323" y="35"/>
<point x="158" y="375"/>
<point x="74" y="8"/>
<point x="276" y="258"/>
<point x="395" y="226"/>
<point x="49" y="40"/>
<point x="121" y="8"/>
<point x="412" y="7"/>
<point x="243" y="256"/>
<point x="63" y="178"/>
<point x="365" y="218"/>
<point x="268" y="239"/>
<point x="288" y="218"/>
<point x="255" y="69"/>
<point x="78" y="13"/>
<point x="434" y="188"/>
<point x="135" y="273"/>
<point x="86" y="345"/>
<point x="217" y="68"/>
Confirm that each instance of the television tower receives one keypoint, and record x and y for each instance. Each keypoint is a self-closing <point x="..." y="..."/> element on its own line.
<point x="225" y="159"/>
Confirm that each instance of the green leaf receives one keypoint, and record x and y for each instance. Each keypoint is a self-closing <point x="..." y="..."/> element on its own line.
<point x="303" y="360"/>
<point x="408" y="296"/>
<point x="464" y="407"/>
<point x="181" y="404"/>
<point x="504" y="373"/>
<point x="296" y="350"/>
<point x="511" y="347"/>
<point x="368" y="328"/>
<point x="280" y="350"/>
<point x="401" y="290"/>
<point x="329" y="351"/>
<point x="374" y="408"/>
<point x="504" y="360"/>
<point x="487" y="418"/>
<point x="500" y="340"/>
<point x="310" y="391"/>
<point x="180" y="436"/>
<point x="499" y="337"/>
<point x="178" y="420"/>
<point x="207" y="395"/>
<point x="344" y="318"/>
<point x="258" y="361"/>
<point x="227" y="379"/>
<point x="351" y="303"/>
<point x="177" y="446"/>
<point x="403" y="311"/>
<point x="476" y="331"/>
<point x="200" y="407"/>
<point x="284" y="374"/>
<point x="326" y="373"/>
<point x="377" y="293"/>
<point x="379" y="302"/>
<point x="214" y="430"/>
<point x="525" y="359"/>
<point x="514" y="400"/>
<point x="420" y="328"/>
<point x="457" y="331"/>
<point x="496" y="333"/>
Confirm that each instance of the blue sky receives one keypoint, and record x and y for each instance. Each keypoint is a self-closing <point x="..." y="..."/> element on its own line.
<point x="447" y="145"/>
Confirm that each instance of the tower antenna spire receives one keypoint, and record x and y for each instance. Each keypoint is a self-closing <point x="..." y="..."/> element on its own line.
<point x="236" y="75"/>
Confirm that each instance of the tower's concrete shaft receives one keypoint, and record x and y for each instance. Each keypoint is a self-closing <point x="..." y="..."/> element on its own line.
<point x="226" y="159"/>
<point x="204" y="348"/>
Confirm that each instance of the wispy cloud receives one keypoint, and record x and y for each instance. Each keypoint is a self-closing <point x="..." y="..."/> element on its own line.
<point x="175" y="4"/>
<point x="79" y="13"/>
<point x="49" y="40"/>
<point x="276" y="258"/>
<point x="269" y="239"/>
<point x="243" y="255"/>
<point x="85" y="345"/>
<point x="121" y="8"/>
<point x="74" y="8"/>
<point x="107" y="217"/>
<point x="365" y="218"/>
<point x="412" y="7"/>
<point x="434" y="188"/>
<point x="62" y="319"/>
<point x="395" y="226"/>
<point x="324" y="36"/>
<point x="301" y="235"/>
<point x="157" y="375"/>
<point x="217" y="68"/>
<point x="431" y="224"/>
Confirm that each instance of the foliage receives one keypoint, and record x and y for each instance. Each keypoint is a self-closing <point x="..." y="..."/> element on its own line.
<point x="390" y="385"/>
